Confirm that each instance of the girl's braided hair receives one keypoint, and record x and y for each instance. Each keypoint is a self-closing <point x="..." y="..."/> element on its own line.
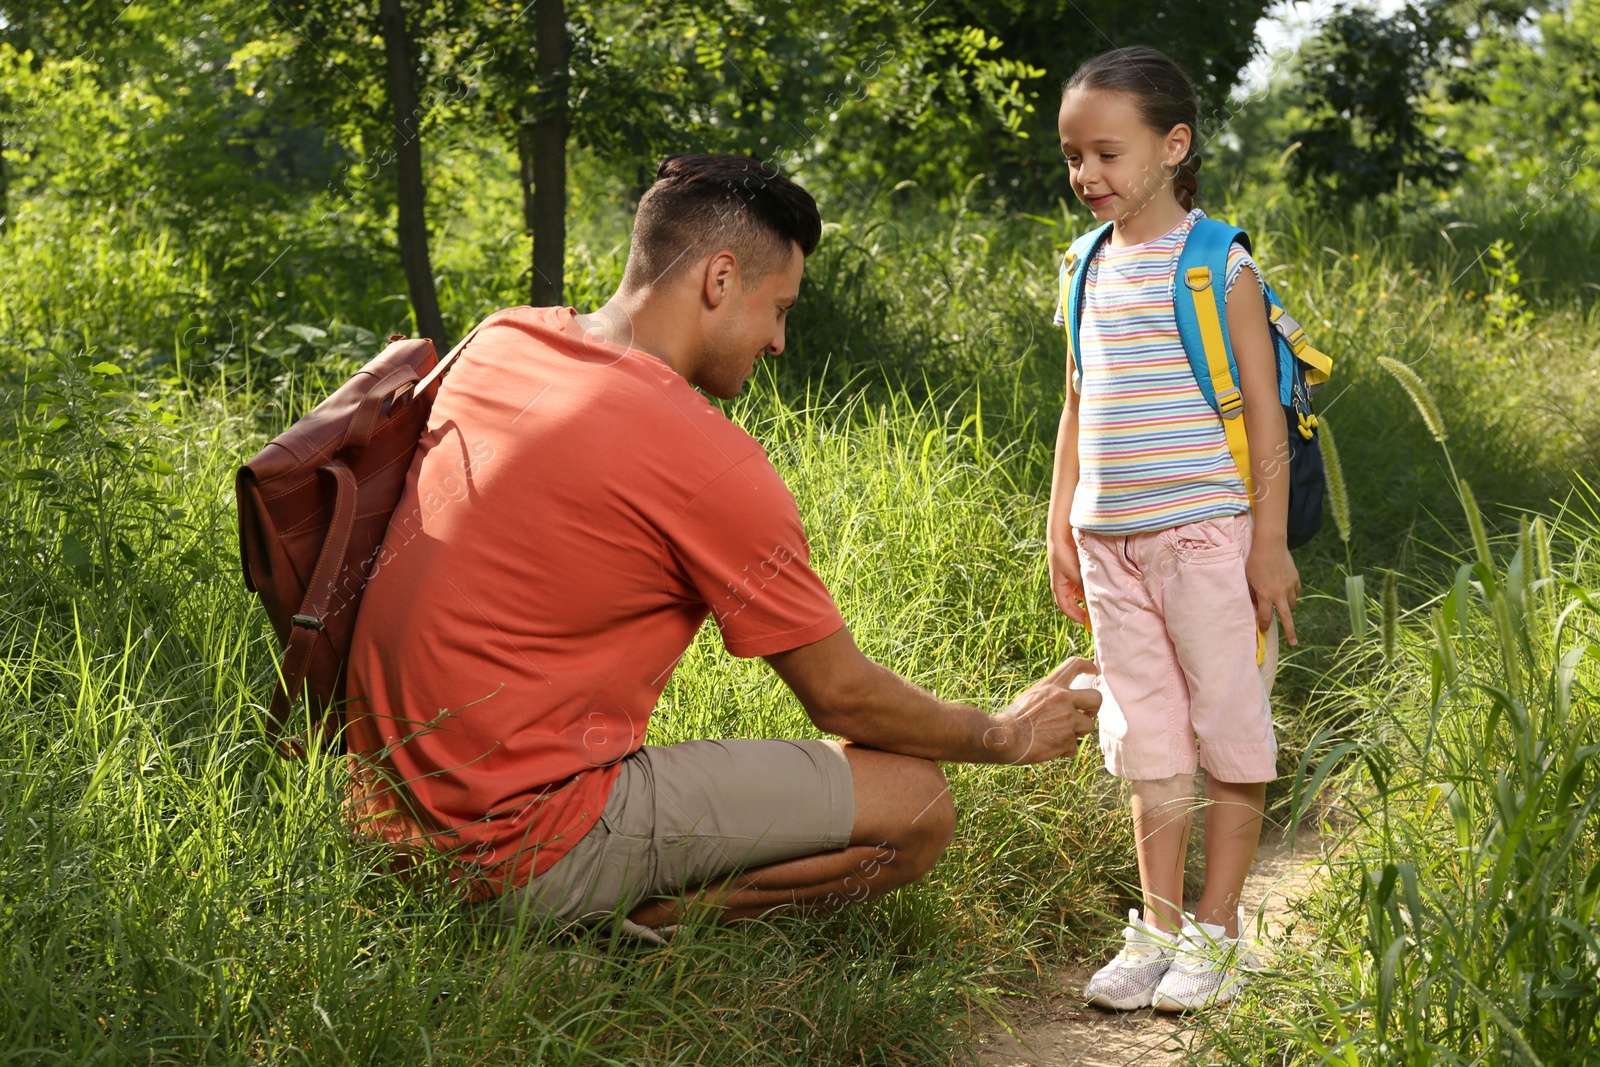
<point x="1166" y="99"/>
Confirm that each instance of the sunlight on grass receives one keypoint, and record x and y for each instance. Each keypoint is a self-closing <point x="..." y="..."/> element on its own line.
<point x="173" y="892"/>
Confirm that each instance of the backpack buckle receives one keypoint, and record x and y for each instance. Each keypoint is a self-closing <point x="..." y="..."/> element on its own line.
<point x="1230" y="402"/>
<point x="1290" y="330"/>
<point x="1197" y="278"/>
<point x="310" y="622"/>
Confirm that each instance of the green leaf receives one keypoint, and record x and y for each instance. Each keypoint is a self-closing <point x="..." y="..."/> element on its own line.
<point x="105" y="368"/>
<point x="306" y="333"/>
<point x="1307" y="781"/>
<point x="1355" y="595"/>
<point x="75" y="552"/>
<point x="1463" y="596"/>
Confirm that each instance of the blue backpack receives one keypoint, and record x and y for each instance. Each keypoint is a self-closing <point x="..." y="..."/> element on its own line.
<point x="1200" y="302"/>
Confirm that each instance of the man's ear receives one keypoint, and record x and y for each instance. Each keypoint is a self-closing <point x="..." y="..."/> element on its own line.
<point x="721" y="275"/>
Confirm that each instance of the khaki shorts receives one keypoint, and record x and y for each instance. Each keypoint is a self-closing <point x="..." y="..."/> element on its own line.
<point x="680" y="816"/>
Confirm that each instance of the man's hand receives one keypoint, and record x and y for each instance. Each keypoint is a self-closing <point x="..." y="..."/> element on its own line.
<point x="1047" y="719"/>
<point x="1066" y="579"/>
<point x="1274" y="583"/>
<point x="845" y="693"/>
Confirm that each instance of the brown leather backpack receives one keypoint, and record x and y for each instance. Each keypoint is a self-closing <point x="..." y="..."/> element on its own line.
<point x="314" y="505"/>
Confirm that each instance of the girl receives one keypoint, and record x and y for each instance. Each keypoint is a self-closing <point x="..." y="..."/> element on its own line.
<point x="1151" y="529"/>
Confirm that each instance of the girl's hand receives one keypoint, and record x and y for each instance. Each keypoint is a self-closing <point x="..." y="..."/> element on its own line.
<point x="1274" y="583"/>
<point x="1066" y="579"/>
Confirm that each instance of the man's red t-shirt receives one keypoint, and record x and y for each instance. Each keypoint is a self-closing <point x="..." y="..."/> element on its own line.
<point x="574" y="512"/>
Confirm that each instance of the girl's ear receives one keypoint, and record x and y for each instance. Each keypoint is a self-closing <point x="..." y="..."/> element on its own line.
<point x="1179" y="140"/>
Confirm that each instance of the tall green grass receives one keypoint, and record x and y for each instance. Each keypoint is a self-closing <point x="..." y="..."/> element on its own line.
<point x="1459" y="921"/>
<point x="174" y="892"/>
<point x="171" y="892"/>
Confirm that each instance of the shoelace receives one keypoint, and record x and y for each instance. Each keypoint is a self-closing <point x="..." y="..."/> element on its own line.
<point x="1137" y="951"/>
<point x="1208" y="952"/>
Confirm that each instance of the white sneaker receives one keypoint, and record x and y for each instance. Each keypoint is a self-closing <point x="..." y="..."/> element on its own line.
<point x="1128" y="981"/>
<point x="1208" y="967"/>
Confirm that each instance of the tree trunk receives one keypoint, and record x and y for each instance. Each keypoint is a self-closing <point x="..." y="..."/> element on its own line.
<point x="413" y="222"/>
<point x="525" y="170"/>
<point x="548" y="207"/>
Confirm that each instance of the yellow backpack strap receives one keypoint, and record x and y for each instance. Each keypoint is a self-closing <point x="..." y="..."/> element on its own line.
<point x="1230" y="401"/>
<point x="1319" y="366"/>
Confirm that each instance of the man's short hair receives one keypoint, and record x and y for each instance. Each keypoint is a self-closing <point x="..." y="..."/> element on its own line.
<point x="703" y="204"/>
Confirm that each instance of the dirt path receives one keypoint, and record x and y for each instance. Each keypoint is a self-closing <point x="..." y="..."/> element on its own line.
<point x="1058" y="1030"/>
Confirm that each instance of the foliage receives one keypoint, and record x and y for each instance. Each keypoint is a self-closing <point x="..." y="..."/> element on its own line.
<point x="175" y="126"/>
<point x="181" y="282"/>
<point x="1427" y="100"/>
<point x="1366" y="76"/>
<point x="1458" y="924"/>
<point x="1530" y="133"/>
<point x="943" y="92"/>
<point x="233" y="97"/>
<point x="171" y="890"/>
<point x="807" y="87"/>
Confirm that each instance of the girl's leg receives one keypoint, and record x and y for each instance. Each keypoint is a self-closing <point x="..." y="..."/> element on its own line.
<point x="1162" y="811"/>
<point x="1212" y="619"/>
<point x="1233" y="829"/>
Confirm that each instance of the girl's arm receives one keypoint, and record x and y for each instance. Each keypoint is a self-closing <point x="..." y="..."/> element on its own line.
<point x="1066" y="579"/>
<point x="1274" y="580"/>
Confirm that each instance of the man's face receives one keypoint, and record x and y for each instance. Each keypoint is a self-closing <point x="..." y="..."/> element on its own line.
<point x="747" y="325"/>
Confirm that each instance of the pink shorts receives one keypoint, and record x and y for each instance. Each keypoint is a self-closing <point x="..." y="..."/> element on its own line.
<point x="1175" y="637"/>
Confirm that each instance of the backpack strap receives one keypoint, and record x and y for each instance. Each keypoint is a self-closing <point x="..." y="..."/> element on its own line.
<point x="1074" y="277"/>
<point x="444" y="364"/>
<point x="1318" y="365"/>
<point x="308" y="623"/>
<point x="1200" y="302"/>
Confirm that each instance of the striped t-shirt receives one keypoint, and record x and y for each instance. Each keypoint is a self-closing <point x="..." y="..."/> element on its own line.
<point x="1151" y="453"/>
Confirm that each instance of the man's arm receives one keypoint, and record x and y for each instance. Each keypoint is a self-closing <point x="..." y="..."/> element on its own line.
<point x="846" y="693"/>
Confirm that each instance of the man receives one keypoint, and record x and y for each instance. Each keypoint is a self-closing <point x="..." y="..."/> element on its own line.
<point x="575" y="511"/>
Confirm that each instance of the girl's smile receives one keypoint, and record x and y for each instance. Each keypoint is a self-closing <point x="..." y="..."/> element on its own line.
<point x="1119" y="166"/>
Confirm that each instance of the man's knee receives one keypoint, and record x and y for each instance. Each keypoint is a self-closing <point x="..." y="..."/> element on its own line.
<point x="902" y="802"/>
<point x="933" y="816"/>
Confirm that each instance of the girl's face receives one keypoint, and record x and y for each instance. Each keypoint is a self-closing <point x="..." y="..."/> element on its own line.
<point x="1117" y="163"/>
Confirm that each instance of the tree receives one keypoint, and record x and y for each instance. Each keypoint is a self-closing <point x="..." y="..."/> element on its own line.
<point x="380" y="74"/>
<point x="532" y="88"/>
<point x="1369" y="82"/>
<point x="412" y="195"/>
<point x="846" y="94"/>
<point x="547" y="141"/>
<point x="1532" y="131"/>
